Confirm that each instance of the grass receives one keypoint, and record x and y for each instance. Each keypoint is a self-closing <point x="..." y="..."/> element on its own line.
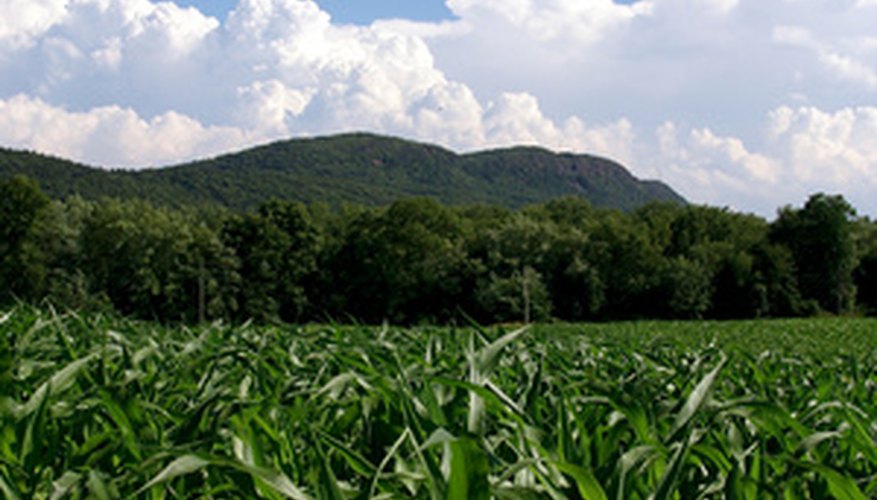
<point x="108" y="408"/>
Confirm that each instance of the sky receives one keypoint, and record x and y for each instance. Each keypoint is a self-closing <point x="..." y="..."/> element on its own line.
<point x="747" y="104"/>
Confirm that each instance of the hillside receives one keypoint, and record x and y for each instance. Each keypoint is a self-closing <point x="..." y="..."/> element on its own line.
<point x="353" y="168"/>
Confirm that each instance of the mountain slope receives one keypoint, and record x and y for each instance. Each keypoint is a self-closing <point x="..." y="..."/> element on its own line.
<point x="353" y="168"/>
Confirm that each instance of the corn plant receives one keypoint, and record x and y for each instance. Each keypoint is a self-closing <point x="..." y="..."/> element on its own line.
<point x="102" y="407"/>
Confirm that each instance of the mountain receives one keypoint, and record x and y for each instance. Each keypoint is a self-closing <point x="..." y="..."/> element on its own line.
<point x="352" y="168"/>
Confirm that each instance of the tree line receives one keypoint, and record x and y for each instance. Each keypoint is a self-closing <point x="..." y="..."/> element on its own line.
<point x="417" y="261"/>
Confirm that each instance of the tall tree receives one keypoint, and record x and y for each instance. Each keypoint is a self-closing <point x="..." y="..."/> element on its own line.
<point x="820" y="237"/>
<point x="57" y="238"/>
<point x="277" y="248"/>
<point x="865" y="274"/>
<point x="511" y="260"/>
<point x="401" y="264"/>
<point x="21" y="202"/>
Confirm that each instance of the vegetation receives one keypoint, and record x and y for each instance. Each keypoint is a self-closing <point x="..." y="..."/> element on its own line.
<point x="417" y="261"/>
<point x="96" y="406"/>
<point x="358" y="168"/>
<point x="108" y="408"/>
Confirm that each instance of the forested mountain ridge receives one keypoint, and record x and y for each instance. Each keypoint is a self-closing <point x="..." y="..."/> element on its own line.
<point x="362" y="169"/>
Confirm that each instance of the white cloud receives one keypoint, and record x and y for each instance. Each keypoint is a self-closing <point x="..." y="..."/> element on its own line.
<point x="516" y="118"/>
<point x="423" y="29"/>
<point x="757" y="167"/>
<point x="572" y="21"/>
<point x="270" y="105"/>
<point x="804" y="150"/>
<point x="451" y="115"/>
<point x="140" y="82"/>
<point x="850" y="69"/>
<point x="129" y="71"/>
<point x="112" y="136"/>
<point x="22" y="20"/>
<point x="710" y="168"/>
<point x="795" y="36"/>
<point x="841" y="65"/>
<point x="722" y="6"/>
<point x="837" y="150"/>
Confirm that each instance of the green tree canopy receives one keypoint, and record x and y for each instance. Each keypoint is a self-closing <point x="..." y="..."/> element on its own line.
<point x="21" y="202"/>
<point x="820" y="237"/>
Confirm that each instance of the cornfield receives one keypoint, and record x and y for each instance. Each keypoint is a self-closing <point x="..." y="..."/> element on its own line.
<point x="99" y="407"/>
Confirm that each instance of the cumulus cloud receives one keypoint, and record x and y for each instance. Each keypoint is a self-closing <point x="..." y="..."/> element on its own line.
<point x="570" y="21"/>
<point x="704" y="94"/>
<point x="837" y="149"/>
<point x="149" y="71"/>
<point x="721" y="170"/>
<point x="842" y="65"/>
<point x="803" y="150"/>
<point x="21" y="20"/>
<point x="112" y="136"/>
<point x="704" y="75"/>
<point x="516" y="118"/>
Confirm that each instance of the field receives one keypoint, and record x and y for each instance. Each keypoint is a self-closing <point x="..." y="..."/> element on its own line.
<point x="109" y="408"/>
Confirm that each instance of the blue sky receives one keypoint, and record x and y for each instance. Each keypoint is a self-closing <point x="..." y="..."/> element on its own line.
<point x="750" y="104"/>
<point x="350" y="11"/>
<point x="356" y="11"/>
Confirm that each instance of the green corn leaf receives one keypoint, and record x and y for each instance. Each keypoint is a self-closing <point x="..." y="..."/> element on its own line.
<point x="434" y="409"/>
<point x="98" y="487"/>
<point x="182" y="466"/>
<point x="628" y="462"/>
<point x="386" y="461"/>
<point x="815" y="439"/>
<point x="488" y="356"/>
<point x="671" y="476"/>
<point x="59" y="382"/>
<point x="328" y="482"/>
<point x="695" y="400"/>
<point x="861" y="438"/>
<point x="588" y="486"/>
<point x="123" y="425"/>
<point x="439" y="436"/>
<point x="64" y="485"/>
<point x="7" y="488"/>
<point x="189" y="464"/>
<point x="841" y="487"/>
<point x="31" y="452"/>
<point x="356" y="461"/>
<point x="469" y="471"/>
<point x="435" y="481"/>
<point x="276" y="480"/>
<point x="738" y="485"/>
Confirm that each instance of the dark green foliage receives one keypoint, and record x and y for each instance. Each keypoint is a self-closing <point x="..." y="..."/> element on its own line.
<point x="683" y="289"/>
<point x="511" y="263"/>
<point x="724" y="245"/>
<point x="57" y="239"/>
<point x="356" y="168"/>
<point x="6" y="361"/>
<point x="628" y="261"/>
<point x="820" y="237"/>
<point x="865" y="275"/>
<point x="21" y="203"/>
<point x="866" y="283"/>
<point x="155" y="262"/>
<point x="776" y="282"/>
<point x="277" y="249"/>
<point x="417" y="261"/>
<point x="402" y="263"/>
